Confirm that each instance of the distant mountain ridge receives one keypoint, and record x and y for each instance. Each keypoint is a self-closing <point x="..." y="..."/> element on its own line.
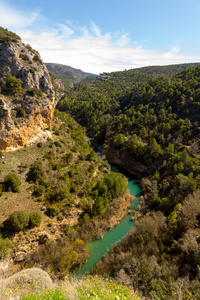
<point x="130" y="77"/>
<point x="69" y="75"/>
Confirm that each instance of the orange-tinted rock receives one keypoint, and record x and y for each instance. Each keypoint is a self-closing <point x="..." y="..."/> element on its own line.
<point x="25" y="118"/>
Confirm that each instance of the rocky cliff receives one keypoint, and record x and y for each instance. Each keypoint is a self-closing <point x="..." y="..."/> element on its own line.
<point x="26" y="98"/>
<point x="124" y="160"/>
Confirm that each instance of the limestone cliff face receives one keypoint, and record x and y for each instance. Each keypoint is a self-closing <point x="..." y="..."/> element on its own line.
<point x="24" y="63"/>
<point x="31" y="129"/>
<point x="25" y="113"/>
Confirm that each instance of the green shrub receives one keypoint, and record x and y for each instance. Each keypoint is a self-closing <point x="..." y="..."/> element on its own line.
<point x="92" y="155"/>
<point x="99" y="205"/>
<point x="49" y="155"/>
<point x="49" y="294"/>
<point x="36" y="58"/>
<point x="8" y="36"/>
<point x="57" y="144"/>
<point x="6" y="247"/>
<point x="86" y="218"/>
<point x="93" y="288"/>
<point x="34" y="92"/>
<point x="57" y="194"/>
<point x="12" y="181"/>
<point x="68" y="157"/>
<point x="36" y="172"/>
<point x="92" y="167"/>
<point x="57" y="132"/>
<point x="52" y="211"/>
<point x="13" y="84"/>
<point x="57" y="167"/>
<point x="31" y="70"/>
<point x="39" y="190"/>
<point x="18" y="220"/>
<point x="35" y="219"/>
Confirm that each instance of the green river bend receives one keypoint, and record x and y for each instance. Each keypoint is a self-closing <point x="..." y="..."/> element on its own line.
<point x="97" y="248"/>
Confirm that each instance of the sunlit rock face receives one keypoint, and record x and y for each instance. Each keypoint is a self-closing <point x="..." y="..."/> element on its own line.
<point x="25" y="112"/>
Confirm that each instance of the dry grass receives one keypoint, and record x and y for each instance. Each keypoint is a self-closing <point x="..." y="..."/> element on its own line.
<point x="11" y="162"/>
<point x="69" y="288"/>
<point x="32" y="280"/>
<point x="35" y="281"/>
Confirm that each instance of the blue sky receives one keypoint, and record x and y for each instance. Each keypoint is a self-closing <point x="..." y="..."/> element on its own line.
<point x="107" y="35"/>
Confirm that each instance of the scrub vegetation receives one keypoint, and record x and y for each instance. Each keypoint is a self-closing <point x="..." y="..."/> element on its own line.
<point x="153" y="124"/>
<point x="75" y="190"/>
<point x="35" y="284"/>
<point x="57" y="195"/>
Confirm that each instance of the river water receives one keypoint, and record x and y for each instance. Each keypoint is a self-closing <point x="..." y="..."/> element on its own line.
<point x="97" y="248"/>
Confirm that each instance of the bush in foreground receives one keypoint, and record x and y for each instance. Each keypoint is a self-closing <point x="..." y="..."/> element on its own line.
<point x="99" y="289"/>
<point x="88" y="290"/>
<point x="30" y="280"/>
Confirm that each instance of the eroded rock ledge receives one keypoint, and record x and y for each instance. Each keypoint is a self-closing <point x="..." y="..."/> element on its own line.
<point x="34" y="128"/>
<point x="124" y="160"/>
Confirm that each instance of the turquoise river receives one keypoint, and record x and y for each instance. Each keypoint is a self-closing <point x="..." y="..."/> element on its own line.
<point x="97" y="248"/>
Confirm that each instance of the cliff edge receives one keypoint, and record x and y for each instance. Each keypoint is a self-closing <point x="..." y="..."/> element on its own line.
<point x="26" y="94"/>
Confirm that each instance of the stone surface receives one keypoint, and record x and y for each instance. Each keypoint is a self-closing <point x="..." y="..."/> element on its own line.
<point x="124" y="160"/>
<point x="43" y="237"/>
<point x="26" y="64"/>
<point x="35" y="124"/>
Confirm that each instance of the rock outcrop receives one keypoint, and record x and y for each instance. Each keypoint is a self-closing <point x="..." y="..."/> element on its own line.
<point x="123" y="159"/>
<point x="27" y="99"/>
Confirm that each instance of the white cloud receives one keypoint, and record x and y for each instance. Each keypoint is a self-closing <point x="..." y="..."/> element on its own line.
<point x="96" y="30"/>
<point x="65" y="30"/>
<point x="96" y="53"/>
<point x="123" y="40"/>
<point x="174" y="51"/>
<point x="13" y="18"/>
<point x="84" y="48"/>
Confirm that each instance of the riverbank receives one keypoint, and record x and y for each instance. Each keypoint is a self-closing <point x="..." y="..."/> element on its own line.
<point x="99" y="247"/>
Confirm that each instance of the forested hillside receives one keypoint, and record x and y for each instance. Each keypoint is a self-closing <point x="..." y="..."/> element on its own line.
<point x="152" y="128"/>
<point x="63" y="188"/>
<point x="69" y="75"/>
<point x="56" y="193"/>
<point x="128" y="78"/>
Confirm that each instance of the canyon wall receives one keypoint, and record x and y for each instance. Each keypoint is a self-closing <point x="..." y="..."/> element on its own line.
<point x="27" y="98"/>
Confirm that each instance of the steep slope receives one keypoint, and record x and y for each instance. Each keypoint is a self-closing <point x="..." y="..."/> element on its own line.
<point x="27" y="97"/>
<point x="152" y="129"/>
<point x="62" y="181"/>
